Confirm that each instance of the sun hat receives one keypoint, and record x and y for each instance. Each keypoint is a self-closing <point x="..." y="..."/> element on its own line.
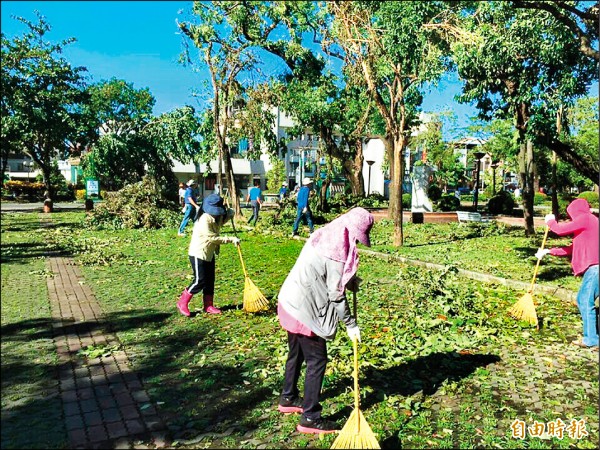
<point x="337" y="240"/>
<point x="306" y="181"/>
<point x="191" y="182"/>
<point x="213" y="205"/>
<point x="284" y="184"/>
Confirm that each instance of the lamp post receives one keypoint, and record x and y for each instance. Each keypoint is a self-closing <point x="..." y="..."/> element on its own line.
<point x="370" y="163"/>
<point x="493" y="166"/>
<point x="478" y="156"/>
<point x="28" y="164"/>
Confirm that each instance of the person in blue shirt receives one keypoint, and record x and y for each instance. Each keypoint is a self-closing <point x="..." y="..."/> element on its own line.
<point x="191" y="206"/>
<point x="283" y="192"/>
<point x="254" y="197"/>
<point x="303" y="206"/>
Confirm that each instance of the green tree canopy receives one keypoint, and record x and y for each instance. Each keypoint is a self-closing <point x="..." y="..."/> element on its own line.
<point x="41" y="97"/>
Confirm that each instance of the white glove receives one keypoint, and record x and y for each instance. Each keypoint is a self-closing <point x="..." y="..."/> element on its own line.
<point x="541" y="253"/>
<point x="304" y="210"/>
<point x="235" y="241"/>
<point x="549" y="217"/>
<point x="353" y="333"/>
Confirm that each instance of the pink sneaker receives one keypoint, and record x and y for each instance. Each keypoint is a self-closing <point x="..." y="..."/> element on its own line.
<point x="288" y="406"/>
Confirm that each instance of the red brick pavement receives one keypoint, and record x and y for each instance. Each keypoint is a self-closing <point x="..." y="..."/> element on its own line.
<point x="105" y="404"/>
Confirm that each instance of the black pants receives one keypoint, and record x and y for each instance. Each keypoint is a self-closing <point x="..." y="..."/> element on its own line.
<point x="204" y="276"/>
<point x="313" y="350"/>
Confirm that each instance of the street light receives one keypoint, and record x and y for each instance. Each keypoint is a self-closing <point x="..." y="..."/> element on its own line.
<point x="493" y="166"/>
<point x="478" y="156"/>
<point x="370" y="163"/>
<point x="29" y="165"/>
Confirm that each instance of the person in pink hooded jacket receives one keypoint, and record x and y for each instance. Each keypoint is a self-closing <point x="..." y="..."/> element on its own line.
<point x="312" y="302"/>
<point x="584" y="261"/>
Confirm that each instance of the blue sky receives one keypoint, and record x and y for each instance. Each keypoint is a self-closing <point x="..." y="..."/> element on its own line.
<point x="139" y="43"/>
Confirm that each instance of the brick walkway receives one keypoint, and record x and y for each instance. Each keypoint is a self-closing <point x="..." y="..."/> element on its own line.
<point x="105" y="404"/>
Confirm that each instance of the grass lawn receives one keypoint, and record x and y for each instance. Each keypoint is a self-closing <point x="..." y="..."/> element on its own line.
<point x="441" y="363"/>
<point x="29" y="361"/>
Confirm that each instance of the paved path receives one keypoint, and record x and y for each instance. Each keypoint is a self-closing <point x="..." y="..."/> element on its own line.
<point x="105" y="404"/>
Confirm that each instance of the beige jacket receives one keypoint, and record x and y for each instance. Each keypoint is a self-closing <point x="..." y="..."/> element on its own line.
<point x="205" y="242"/>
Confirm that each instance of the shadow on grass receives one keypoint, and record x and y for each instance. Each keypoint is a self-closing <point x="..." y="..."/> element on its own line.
<point x="114" y="322"/>
<point x="24" y="251"/>
<point x="551" y="268"/>
<point x="554" y="273"/>
<point x="36" y="424"/>
<point x="424" y="374"/>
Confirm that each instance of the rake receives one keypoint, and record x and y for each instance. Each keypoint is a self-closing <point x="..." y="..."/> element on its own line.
<point x="254" y="300"/>
<point x="356" y="433"/>
<point x="524" y="309"/>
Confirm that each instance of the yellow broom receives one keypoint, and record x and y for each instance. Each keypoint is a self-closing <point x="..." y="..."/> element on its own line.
<point x="524" y="309"/>
<point x="356" y="433"/>
<point x="254" y="300"/>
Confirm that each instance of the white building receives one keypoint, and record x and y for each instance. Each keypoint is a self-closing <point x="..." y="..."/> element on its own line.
<point x="301" y="160"/>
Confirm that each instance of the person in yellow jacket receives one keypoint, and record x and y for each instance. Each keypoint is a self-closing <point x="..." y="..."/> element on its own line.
<point x="204" y="245"/>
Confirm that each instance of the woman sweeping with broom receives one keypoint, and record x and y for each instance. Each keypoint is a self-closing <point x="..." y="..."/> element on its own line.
<point x="312" y="301"/>
<point x="584" y="261"/>
<point x="204" y="245"/>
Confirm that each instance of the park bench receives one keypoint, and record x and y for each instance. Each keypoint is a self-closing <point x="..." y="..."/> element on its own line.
<point x="467" y="216"/>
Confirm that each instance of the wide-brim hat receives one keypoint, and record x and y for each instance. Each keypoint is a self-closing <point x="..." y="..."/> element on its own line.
<point x="213" y="205"/>
<point x="306" y="181"/>
<point x="191" y="182"/>
<point x="284" y="184"/>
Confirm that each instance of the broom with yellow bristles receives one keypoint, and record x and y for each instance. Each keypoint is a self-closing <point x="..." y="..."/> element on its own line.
<point x="524" y="309"/>
<point x="356" y="433"/>
<point x="254" y="300"/>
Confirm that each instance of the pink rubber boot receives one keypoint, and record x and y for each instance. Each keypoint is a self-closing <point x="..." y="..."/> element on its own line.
<point x="208" y="305"/>
<point x="184" y="300"/>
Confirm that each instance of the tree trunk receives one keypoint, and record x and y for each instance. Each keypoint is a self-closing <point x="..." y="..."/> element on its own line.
<point x="4" y="165"/>
<point x="49" y="193"/>
<point x="525" y="161"/>
<point x="230" y="177"/>
<point x="554" y="186"/>
<point x="526" y="181"/>
<point x="395" y="209"/>
<point x="353" y="169"/>
<point x="323" y="204"/>
<point x="219" y="175"/>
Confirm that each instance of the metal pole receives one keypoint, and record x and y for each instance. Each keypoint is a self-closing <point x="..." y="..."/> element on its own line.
<point x="301" y="165"/>
<point x="370" y="163"/>
<point x="478" y="156"/>
<point x="476" y="193"/>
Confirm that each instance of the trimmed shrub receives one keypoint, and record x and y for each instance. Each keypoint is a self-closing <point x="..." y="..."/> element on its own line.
<point x="406" y="200"/>
<point x="591" y="197"/>
<point x="25" y="188"/>
<point x="502" y="203"/>
<point x="448" y="203"/>
<point x="434" y="192"/>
